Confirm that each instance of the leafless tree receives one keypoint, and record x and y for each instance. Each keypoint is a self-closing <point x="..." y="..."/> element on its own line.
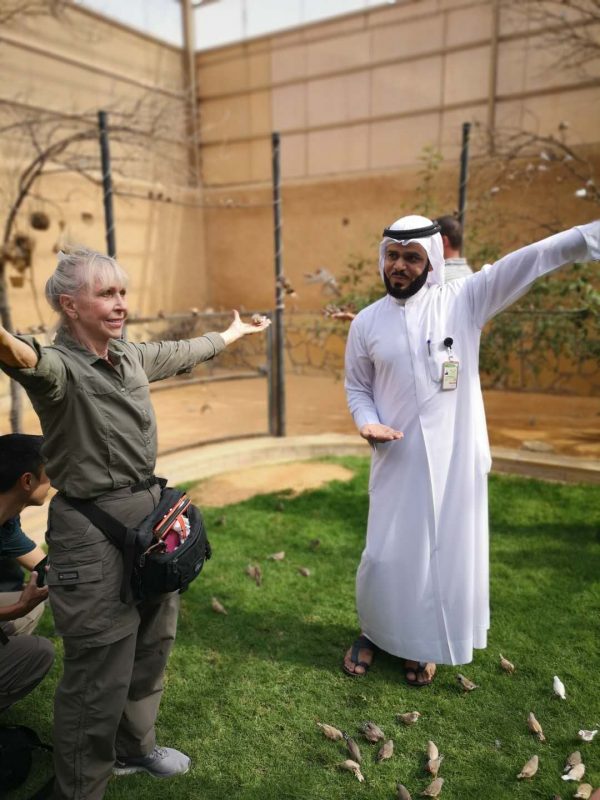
<point x="147" y="140"/>
<point x="570" y="28"/>
<point x="12" y="9"/>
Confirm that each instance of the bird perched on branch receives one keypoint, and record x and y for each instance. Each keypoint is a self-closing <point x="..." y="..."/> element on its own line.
<point x="284" y="284"/>
<point x="329" y="284"/>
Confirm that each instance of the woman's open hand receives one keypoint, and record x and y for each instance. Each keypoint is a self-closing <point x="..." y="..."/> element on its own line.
<point x="239" y="328"/>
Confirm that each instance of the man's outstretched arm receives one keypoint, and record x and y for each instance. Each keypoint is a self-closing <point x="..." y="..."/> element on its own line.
<point x="498" y="285"/>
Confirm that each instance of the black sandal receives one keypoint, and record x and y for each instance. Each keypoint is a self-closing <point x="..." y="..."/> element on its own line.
<point x="418" y="670"/>
<point x="362" y="643"/>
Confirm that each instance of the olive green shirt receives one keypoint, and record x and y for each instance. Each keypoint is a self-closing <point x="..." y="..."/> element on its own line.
<point x="97" y="418"/>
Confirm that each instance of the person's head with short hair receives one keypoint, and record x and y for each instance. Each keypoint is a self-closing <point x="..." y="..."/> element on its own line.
<point x="22" y="471"/>
<point x="88" y="290"/>
<point x="452" y="235"/>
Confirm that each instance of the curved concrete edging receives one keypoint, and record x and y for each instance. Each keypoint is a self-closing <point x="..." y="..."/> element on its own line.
<point x="208" y="460"/>
<point x="212" y="459"/>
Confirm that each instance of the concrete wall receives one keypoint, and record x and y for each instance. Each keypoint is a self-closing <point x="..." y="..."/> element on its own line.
<point x="356" y="101"/>
<point x="66" y="68"/>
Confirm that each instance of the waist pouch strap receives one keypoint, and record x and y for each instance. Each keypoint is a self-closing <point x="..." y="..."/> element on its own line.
<point x="116" y="533"/>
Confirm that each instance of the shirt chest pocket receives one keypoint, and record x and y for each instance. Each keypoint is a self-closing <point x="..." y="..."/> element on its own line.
<point x="98" y="385"/>
<point x="438" y="353"/>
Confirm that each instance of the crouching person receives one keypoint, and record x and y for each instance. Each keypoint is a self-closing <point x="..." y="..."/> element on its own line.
<point x="91" y="391"/>
<point x="24" y="659"/>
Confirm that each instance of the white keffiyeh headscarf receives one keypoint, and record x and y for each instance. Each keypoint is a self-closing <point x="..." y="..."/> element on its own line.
<point x="432" y="245"/>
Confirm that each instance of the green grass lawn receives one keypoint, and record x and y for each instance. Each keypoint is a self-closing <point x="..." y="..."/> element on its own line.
<point x="244" y="691"/>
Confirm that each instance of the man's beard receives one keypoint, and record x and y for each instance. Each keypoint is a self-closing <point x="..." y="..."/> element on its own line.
<point x="412" y="288"/>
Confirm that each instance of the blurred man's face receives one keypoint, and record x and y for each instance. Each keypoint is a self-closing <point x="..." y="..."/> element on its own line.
<point x="404" y="268"/>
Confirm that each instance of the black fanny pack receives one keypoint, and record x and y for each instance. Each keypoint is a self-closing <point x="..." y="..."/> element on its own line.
<point x="164" y="553"/>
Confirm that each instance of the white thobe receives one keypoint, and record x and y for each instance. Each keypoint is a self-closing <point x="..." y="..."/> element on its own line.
<point x="422" y="585"/>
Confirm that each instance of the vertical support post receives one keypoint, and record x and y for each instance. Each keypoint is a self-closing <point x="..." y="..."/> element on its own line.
<point x="107" y="189"/>
<point x="493" y="79"/>
<point x="271" y="400"/>
<point x="189" y="65"/>
<point x="278" y="334"/>
<point x="464" y="174"/>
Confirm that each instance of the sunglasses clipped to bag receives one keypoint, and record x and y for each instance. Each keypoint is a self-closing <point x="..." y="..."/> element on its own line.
<point x="172" y="530"/>
<point x="164" y="553"/>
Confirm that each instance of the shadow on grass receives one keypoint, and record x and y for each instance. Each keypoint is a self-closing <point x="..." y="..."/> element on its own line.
<point x="561" y="548"/>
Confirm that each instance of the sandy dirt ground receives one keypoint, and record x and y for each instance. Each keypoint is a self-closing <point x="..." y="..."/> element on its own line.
<point x="233" y="487"/>
<point x="567" y="425"/>
<point x="191" y="415"/>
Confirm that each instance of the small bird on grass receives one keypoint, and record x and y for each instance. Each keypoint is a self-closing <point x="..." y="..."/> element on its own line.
<point x="277" y="556"/>
<point x="586" y="736"/>
<point x="353" y="749"/>
<point x="386" y="750"/>
<point x="353" y="767"/>
<point x="433" y="765"/>
<point x="330" y="732"/>
<point x="402" y="792"/>
<point x="255" y="572"/>
<point x="434" y="788"/>
<point x="572" y="760"/>
<point x="304" y="571"/>
<point x="466" y="684"/>
<point x="535" y="727"/>
<point x="584" y="791"/>
<point x="409" y="718"/>
<point x="576" y="773"/>
<point x="506" y="665"/>
<point x="530" y="768"/>
<point x="559" y="688"/>
<point x="217" y="607"/>
<point x="432" y="751"/>
<point x="372" y="732"/>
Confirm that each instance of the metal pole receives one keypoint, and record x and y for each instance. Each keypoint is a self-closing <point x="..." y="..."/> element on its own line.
<point x="107" y="189"/>
<point x="464" y="174"/>
<point x="271" y="400"/>
<point x="278" y="365"/>
<point x="189" y="63"/>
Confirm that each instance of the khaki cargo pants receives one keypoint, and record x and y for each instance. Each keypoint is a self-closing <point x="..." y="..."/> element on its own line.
<point x="115" y="653"/>
<point x="25" y="659"/>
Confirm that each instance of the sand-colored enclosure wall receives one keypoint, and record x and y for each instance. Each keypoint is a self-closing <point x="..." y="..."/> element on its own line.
<point x="356" y="101"/>
<point x="65" y="69"/>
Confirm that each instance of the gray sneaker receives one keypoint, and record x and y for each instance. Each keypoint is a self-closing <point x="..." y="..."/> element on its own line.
<point x="162" y="762"/>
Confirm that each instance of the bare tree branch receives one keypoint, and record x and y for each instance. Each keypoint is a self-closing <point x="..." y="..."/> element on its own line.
<point x="13" y="9"/>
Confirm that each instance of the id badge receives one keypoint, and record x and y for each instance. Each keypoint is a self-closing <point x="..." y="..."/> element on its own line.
<point x="449" y="375"/>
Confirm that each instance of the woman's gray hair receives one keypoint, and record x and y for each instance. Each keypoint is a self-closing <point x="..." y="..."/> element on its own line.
<point x="79" y="269"/>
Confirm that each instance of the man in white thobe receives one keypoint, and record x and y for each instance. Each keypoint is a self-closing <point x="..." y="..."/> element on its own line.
<point x="422" y="585"/>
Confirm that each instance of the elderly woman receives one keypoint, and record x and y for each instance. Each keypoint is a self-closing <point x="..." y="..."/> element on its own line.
<point x="90" y="389"/>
